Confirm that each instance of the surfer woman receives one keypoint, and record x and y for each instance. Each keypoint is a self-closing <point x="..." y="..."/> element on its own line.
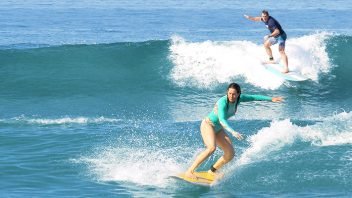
<point x="212" y="128"/>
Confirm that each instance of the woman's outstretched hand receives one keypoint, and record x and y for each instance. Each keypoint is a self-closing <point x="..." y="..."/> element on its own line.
<point x="277" y="99"/>
<point x="237" y="135"/>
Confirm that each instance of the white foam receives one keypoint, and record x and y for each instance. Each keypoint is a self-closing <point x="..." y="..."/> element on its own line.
<point x="269" y="139"/>
<point x="202" y="64"/>
<point x="309" y="55"/>
<point x="334" y="130"/>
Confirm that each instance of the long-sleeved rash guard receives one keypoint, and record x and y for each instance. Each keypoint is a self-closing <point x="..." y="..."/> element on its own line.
<point x="223" y="110"/>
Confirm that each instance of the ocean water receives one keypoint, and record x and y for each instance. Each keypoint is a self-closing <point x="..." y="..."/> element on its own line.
<point x="105" y="98"/>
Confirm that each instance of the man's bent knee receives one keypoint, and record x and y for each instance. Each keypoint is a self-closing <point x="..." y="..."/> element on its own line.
<point x="267" y="45"/>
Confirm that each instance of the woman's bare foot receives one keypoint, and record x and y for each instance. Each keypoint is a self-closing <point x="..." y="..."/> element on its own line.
<point x="211" y="172"/>
<point x="216" y="175"/>
<point x="190" y="175"/>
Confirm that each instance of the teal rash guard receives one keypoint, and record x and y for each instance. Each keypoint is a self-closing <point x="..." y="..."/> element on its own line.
<point x="223" y="110"/>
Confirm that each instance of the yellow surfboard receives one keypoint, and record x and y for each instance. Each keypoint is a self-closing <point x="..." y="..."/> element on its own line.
<point x="203" y="178"/>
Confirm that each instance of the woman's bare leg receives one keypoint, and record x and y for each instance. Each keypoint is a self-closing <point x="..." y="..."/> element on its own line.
<point x="209" y="136"/>
<point x="224" y="142"/>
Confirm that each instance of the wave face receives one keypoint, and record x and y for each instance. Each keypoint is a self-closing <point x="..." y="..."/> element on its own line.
<point x="70" y="78"/>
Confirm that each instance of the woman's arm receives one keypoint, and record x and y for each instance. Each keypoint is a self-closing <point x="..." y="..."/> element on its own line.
<point x="223" y="120"/>
<point x="248" y="98"/>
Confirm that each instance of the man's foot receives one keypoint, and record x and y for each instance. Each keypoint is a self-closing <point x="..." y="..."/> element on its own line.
<point x="285" y="71"/>
<point x="269" y="62"/>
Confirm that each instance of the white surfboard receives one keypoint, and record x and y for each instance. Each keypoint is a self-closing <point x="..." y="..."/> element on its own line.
<point x="291" y="76"/>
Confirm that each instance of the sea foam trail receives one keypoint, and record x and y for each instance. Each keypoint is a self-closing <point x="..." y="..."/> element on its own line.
<point x="209" y="62"/>
<point x="152" y="164"/>
<point x="59" y="121"/>
<point x="136" y="165"/>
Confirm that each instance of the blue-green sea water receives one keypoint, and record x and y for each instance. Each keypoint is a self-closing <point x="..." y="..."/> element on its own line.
<point x="105" y="98"/>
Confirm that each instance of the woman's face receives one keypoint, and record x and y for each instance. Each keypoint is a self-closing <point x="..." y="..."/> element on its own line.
<point x="232" y="95"/>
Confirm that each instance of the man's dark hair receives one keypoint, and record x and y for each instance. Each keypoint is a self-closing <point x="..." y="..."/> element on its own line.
<point x="265" y="12"/>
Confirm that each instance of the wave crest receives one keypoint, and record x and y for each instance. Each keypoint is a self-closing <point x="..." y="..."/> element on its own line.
<point x="203" y="64"/>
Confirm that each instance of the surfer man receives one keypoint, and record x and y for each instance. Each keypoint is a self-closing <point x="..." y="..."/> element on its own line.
<point x="214" y="125"/>
<point x="277" y="35"/>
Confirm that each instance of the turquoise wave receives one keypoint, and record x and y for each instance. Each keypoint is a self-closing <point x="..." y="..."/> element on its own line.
<point x="73" y="70"/>
<point x="81" y="80"/>
<point x="70" y="70"/>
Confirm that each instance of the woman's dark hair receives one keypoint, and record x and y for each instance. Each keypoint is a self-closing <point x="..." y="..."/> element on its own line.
<point x="235" y="86"/>
<point x="238" y="89"/>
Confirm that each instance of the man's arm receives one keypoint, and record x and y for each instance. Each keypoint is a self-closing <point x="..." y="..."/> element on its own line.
<point x="252" y="18"/>
<point x="275" y="33"/>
